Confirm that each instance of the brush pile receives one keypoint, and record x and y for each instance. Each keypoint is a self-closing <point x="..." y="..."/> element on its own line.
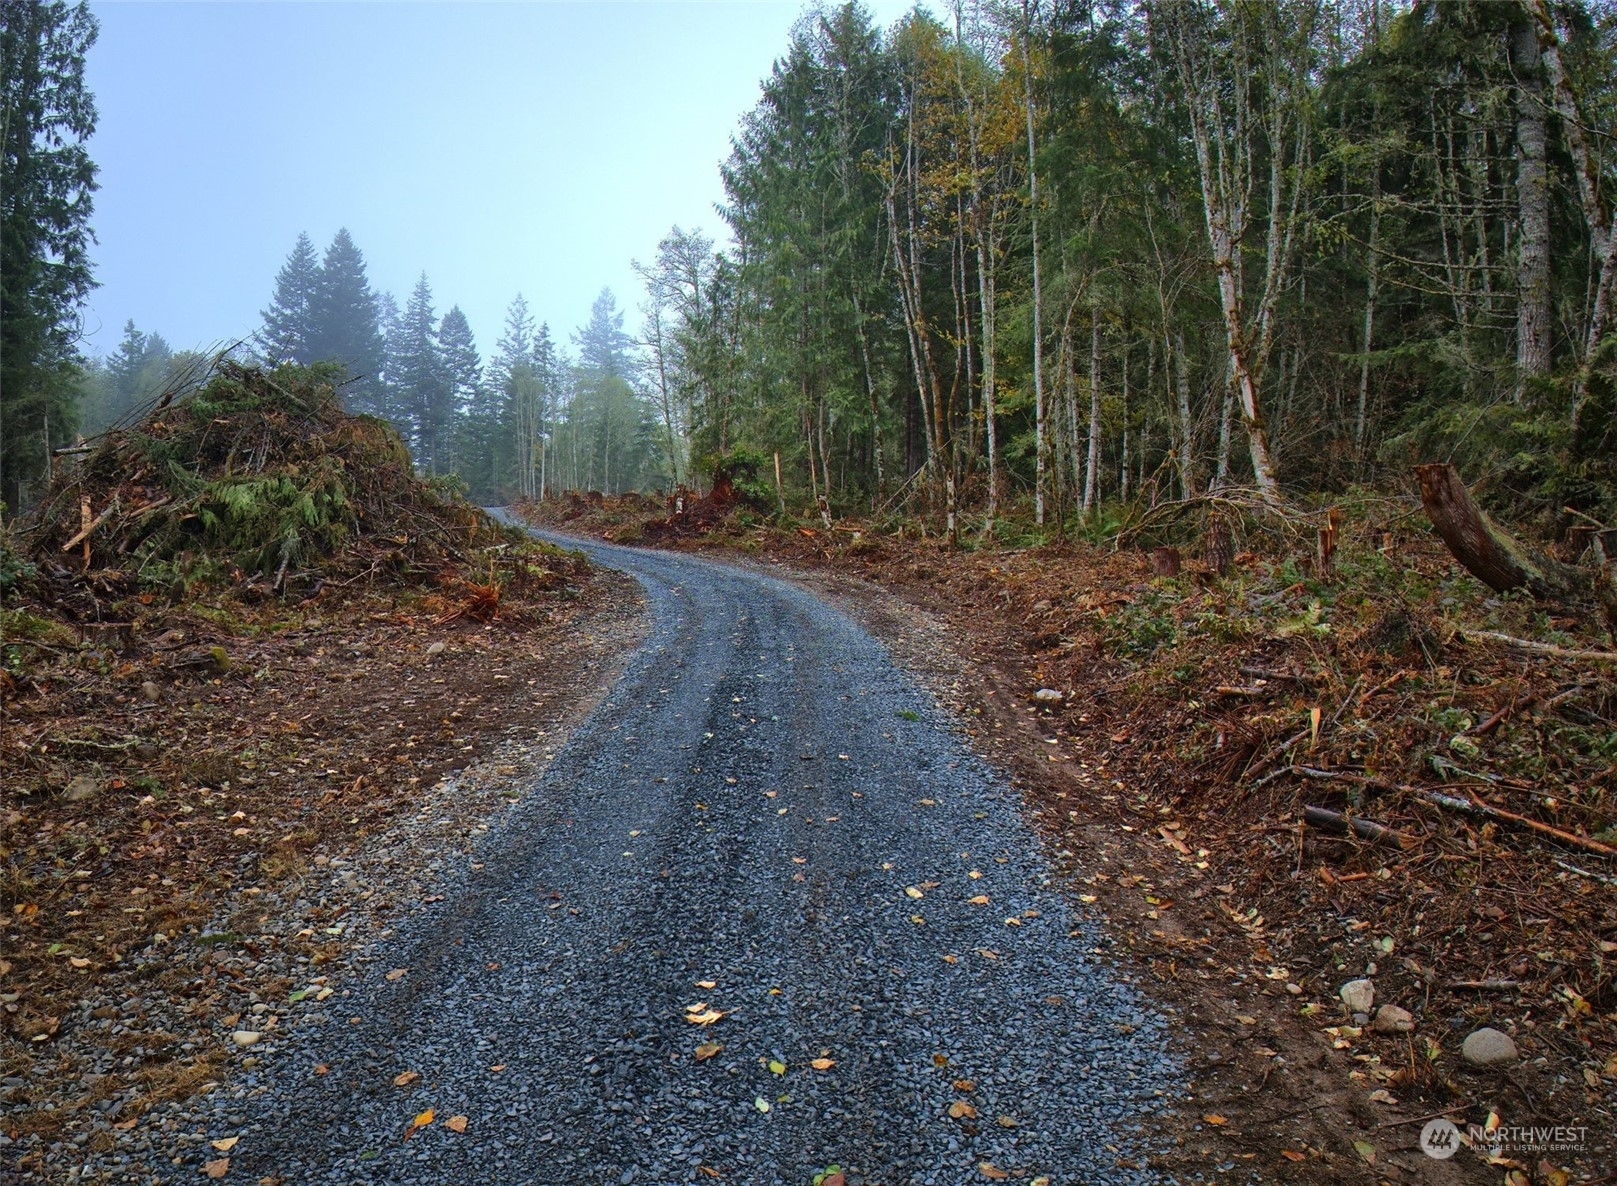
<point x="257" y="478"/>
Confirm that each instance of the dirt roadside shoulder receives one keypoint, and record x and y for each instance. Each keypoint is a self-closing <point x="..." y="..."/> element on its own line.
<point x="269" y="818"/>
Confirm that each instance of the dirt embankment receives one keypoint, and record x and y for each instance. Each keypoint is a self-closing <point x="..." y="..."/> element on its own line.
<point x="1187" y="723"/>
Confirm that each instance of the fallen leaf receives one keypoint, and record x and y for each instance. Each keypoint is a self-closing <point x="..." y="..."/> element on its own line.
<point x="456" y="1124"/>
<point x="225" y="1144"/>
<point x="823" y="1064"/>
<point x="961" y="1110"/>
<point x="965" y="1085"/>
<point x="322" y="1069"/>
<point x="707" y="984"/>
<point x="951" y="959"/>
<point x="1366" y="1151"/>
<point x="1013" y="922"/>
<point x="940" y="1060"/>
<point x="913" y="892"/>
<point x="1245" y="1020"/>
<point x="422" y="1120"/>
<point x="1215" y="1120"/>
<point x="1007" y="1122"/>
<point x="1291" y="1155"/>
<point x="975" y="875"/>
<point x="217" y="1168"/>
<point x="761" y="1104"/>
<point x="705" y="1017"/>
<point x="78" y="961"/>
<point x="979" y="900"/>
<point x="126" y="1125"/>
<point x="398" y="973"/>
<point x="405" y="1079"/>
<point x="710" y="1171"/>
<point x="707" y="1050"/>
<point x="777" y="1067"/>
<point x="991" y="1171"/>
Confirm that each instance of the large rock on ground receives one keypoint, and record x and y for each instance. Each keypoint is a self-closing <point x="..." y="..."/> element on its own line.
<point x="1488" y="1047"/>
<point x="1358" y="995"/>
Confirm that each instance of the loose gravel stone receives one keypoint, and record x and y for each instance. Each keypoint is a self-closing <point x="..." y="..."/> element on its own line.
<point x="1390" y="1019"/>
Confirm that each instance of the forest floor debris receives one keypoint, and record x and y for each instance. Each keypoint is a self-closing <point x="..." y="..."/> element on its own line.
<point x="1198" y="719"/>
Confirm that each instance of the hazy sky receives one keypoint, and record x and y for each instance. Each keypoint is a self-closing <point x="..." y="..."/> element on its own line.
<point x="498" y="147"/>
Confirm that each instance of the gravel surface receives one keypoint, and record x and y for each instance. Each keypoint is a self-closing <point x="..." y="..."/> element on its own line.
<point x="766" y="805"/>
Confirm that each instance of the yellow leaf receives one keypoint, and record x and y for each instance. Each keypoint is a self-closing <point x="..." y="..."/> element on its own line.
<point x="423" y="1119"/>
<point x="823" y="1064"/>
<point x="456" y="1124"/>
<point x="226" y="1144"/>
<point x="707" y="1050"/>
<point x="961" y="1110"/>
<point x="1013" y="922"/>
<point x="914" y="892"/>
<point x="979" y="900"/>
<point x="217" y="1168"/>
<point x="918" y="920"/>
<point x="405" y="1079"/>
<point x="1008" y="1122"/>
<point x="1215" y="1119"/>
<point x="705" y="1017"/>
<point x="761" y="1104"/>
<point x="975" y="875"/>
<point x="777" y="1067"/>
<point x="991" y="1171"/>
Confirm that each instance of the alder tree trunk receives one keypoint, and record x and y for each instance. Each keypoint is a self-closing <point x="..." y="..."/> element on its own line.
<point x="1533" y="209"/>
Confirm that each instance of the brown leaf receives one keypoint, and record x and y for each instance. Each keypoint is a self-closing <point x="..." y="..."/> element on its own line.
<point x="823" y="1064"/>
<point x="965" y="1085"/>
<point x="322" y="1069"/>
<point x="707" y="1050"/>
<point x="979" y="900"/>
<point x="961" y="1110"/>
<point x="225" y="1144"/>
<point x="398" y="973"/>
<point x="940" y="1060"/>
<point x="405" y="1079"/>
<point x="126" y="1125"/>
<point x="1292" y="1155"/>
<point x="456" y="1124"/>
<point x="705" y="1017"/>
<point x="497" y="1068"/>
<point x="991" y="1171"/>
<point x="217" y="1168"/>
<point x="709" y="1171"/>
<point x="1215" y="1120"/>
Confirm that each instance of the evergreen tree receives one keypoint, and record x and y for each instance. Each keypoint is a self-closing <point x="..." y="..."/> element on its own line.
<point x="463" y="387"/>
<point x="512" y="381"/>
<point x="384" y="400"/>
<point x="423" y="385"/>
<point x="344" y="320"/>
<point x="289" y="332"/>
<point x="45" y="206"/>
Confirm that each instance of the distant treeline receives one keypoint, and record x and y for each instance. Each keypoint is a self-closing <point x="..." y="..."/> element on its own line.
<point x="1070" y="254"/>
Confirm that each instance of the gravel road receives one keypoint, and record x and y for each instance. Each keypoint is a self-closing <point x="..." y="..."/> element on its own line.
<point x="766" y="819"/>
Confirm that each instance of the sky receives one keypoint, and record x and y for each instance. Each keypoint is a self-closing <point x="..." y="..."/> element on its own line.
<point x="498" y="147"/>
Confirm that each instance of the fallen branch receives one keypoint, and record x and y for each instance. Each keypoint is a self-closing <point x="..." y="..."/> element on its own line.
<point x="1485" y="985"/>
<point x="1600" y="877"/>
<point x="1485" y="549"/>
<point x="1334" y="821"/>
<point x="1481" y="807"/>
<point x="1542" y="648"/>
<point x="89" y="528"/>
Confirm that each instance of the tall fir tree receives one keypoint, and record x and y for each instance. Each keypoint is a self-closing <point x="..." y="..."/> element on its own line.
<point x="423" y="387"/>
<point x="344" y="320"/>
<point x="289" y="331"/>
<point x="45" y="205"/>
<point x="463" y="383"/>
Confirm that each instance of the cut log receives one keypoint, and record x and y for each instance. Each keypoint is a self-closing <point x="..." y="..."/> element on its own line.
<point x="1165" y="561"/>
<point x="1334" y="821"/>
<point x="1486" y="550"/>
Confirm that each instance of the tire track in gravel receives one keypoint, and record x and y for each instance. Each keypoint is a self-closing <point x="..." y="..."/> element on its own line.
<point x="651" y="856"/>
